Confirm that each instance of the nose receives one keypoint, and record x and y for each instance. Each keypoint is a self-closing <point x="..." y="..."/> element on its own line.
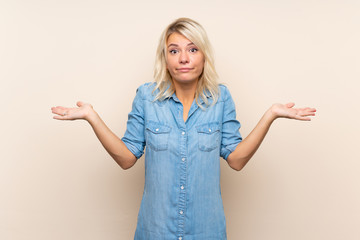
<point x="184" y="57"/>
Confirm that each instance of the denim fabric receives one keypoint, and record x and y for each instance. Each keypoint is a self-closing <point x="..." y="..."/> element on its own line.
<point x="181" y="198"/>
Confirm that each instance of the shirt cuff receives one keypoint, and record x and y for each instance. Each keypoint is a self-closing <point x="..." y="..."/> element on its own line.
<point x="225" y="151"/>
<point x="132" y="148"/>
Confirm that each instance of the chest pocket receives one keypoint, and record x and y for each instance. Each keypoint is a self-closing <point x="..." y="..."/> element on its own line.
<point x="157" y="136"/>
<point x="208" y="136"/>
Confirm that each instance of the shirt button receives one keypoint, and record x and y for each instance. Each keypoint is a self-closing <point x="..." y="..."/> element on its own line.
<point x="180" y="238"/>
<point x="181" y="212"/>
<point x="183" y="159"/>
<point x="209" y="130"/>
<point x="182" y="187"/>
<point x="157" y="129"/>
<point x="183" y="133"/>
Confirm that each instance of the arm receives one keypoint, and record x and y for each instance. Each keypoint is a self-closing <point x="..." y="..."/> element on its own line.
<point x="247" y="148"/>
<point x="113" y="145"/>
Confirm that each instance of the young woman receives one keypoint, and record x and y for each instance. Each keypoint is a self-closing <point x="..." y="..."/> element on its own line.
<point x="186" y="120"/>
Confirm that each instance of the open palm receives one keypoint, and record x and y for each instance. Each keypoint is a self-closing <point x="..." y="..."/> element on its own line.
<point x="64" y="113"/>
<point x="288" y="111"/>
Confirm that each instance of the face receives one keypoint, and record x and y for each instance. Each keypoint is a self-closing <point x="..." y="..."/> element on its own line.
<point x="185" y="62"/>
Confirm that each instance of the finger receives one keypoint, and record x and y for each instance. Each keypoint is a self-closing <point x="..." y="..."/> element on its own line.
<point x="303" y="118"/>
<point x="309" y="112"/>
<point x="61" y="117"/>
<point x="61" y="107"/>
<point x="60" y="111"/>
<point x="306" y="115"/>
<point x="308" y="109"/>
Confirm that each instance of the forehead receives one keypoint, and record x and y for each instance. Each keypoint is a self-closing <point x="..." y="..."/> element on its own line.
<point x="178" y="39"/>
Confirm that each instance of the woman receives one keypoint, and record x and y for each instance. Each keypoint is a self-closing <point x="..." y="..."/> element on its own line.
<point x="186" y="120"/>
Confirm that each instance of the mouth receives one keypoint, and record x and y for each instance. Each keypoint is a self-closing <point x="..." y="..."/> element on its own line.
<point x="184" y="70"/>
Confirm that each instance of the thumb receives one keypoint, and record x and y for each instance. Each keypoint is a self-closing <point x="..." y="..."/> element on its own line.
<point x="290" y="105"/>
<point x="79" y="103"/>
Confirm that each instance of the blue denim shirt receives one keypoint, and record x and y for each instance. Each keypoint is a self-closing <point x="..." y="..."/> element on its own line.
<point x="181" y="198"/>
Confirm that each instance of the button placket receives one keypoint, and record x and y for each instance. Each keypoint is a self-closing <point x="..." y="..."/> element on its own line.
<point x="182" y="183"/>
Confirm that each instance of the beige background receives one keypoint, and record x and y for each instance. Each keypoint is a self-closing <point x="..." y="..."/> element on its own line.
<point x="56" y="180"/>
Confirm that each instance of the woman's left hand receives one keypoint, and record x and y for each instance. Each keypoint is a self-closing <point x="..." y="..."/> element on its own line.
<point x="287" y="111"/>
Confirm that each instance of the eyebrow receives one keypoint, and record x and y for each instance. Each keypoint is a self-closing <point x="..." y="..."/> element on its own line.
<point x="175" y="45"/>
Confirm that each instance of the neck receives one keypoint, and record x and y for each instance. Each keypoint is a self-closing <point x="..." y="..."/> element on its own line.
<point x="185" y="92"/>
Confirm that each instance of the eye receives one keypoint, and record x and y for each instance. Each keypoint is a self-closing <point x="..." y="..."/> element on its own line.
<point x="173" y="51"/>
<point x="193" y="50"/>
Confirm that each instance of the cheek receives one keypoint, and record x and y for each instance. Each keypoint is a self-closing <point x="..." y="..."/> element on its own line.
<point x="169" y="64"/>
<point x="168" y="67"/>
<point x="201" y="65"/>
<point x="200" y="60"/>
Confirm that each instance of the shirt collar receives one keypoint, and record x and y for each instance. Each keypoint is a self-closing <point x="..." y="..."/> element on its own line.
<point x="175" y="98"/>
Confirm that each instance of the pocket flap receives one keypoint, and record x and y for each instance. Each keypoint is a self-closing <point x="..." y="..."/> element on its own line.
<point x="157" y="128"/>
<point x="208" y="128"/>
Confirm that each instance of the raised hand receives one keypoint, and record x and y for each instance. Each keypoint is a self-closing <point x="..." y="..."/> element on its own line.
<point x="287" y="111"/>
<point x="80" y="112"/>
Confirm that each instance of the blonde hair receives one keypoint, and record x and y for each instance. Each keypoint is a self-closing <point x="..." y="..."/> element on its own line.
<point x="207" y="84"/>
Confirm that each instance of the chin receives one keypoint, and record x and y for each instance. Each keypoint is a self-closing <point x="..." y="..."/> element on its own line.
<point x="185" y="80"/>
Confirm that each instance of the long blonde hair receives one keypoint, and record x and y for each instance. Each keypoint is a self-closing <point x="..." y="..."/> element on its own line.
<point x="207" y="84"/>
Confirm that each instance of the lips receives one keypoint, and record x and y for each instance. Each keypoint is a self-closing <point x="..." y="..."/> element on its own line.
<point x="184" y="69"/>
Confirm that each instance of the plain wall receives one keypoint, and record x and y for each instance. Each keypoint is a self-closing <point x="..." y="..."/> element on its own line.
<point x="56" y="180"/>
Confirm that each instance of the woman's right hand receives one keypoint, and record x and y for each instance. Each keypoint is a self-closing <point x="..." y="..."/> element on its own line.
<point x="83" y="111"/>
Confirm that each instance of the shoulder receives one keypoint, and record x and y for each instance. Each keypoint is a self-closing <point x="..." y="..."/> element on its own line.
<point x="146" y="91"/>
<point x="224" y="93"/>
